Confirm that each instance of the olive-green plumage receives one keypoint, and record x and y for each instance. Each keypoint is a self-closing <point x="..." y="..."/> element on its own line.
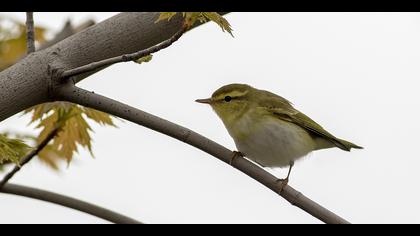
<point x="266" y="127"/>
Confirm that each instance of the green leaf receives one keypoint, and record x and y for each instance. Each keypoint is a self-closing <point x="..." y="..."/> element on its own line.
<point x="41" y="110"/>
<point x="13" y="41"/>
<point x="12" y="150"/>
<point x="144" y="59"/>
<point x="51" y="157"/>
<point x="220" y="20"/>
<point x="74" y="132"/>
<point x="190" y="18"/>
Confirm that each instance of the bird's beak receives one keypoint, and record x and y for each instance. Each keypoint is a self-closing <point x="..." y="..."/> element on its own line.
<point x="206" y="101"/>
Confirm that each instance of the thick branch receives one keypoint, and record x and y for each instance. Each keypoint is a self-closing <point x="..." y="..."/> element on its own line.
<point x="30" y="156"/>
<point x="30" y="32"/>
<point x="80" y="96"/>
<point x="68" y="202"/>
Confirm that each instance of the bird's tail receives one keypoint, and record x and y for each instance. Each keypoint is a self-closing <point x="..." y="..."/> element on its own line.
<point x="346" y="145"/>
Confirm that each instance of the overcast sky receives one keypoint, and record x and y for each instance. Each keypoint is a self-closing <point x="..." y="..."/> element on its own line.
<point x="356" y="74"/>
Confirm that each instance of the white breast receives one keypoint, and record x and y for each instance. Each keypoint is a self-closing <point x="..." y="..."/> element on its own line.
<point x="273" y="143"/>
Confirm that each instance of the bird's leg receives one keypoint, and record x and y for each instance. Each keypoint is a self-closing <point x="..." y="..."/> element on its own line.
<point x="292" y="163"/>
<point x="234" y="156"/>
<point x="285" y="181"/>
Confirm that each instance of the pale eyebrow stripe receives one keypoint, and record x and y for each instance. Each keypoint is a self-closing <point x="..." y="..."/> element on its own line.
<point x="233" y="94"/>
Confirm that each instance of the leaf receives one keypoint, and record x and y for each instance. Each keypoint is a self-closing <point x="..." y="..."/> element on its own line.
<point x="41" y="110"/>
<point x="40" y="34"/>
<point x="12" y="150"/>
<point x="99" y="117"/>
<point x="220" y="20"/>
<point x="51" y="157"/>
<point x="144" y="59"/>
<point x="75" y="131"/>
<point x="190" y="18"/>
<point x="13" y="41"/>
<point x="64" y="145"/>
<point x="11" y="50"/>
<point x="165" y="16"/>
<point x="48" y="155"/>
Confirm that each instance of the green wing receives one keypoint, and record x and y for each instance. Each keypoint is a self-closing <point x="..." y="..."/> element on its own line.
<point x="284" y="110"/>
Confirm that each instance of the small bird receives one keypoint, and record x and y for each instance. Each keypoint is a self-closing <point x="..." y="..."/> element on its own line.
<point x="267" y="129"/>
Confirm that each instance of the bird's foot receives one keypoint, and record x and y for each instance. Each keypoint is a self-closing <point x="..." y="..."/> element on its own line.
<point x="234" y="156"/>
<point x="283" y="183"/>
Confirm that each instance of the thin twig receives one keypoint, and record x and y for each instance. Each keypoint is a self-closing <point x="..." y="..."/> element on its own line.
<point x="69" y="202"/>
<point x="30" y="32"/>
<point x="71" y="93"/>
<point x="124" y="58"/>
<point x="29" y="157"/>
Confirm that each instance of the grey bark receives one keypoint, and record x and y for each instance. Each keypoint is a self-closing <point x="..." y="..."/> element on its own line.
<point x="68" y="202"/>
<point x="73" y="94"/>
<point x="30" y="32"/>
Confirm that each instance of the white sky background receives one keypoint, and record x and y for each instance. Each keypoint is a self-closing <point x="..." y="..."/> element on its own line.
<point x="357" y="74"/>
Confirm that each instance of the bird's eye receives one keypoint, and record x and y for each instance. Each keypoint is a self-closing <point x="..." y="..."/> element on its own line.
<point x="228" y="98"/>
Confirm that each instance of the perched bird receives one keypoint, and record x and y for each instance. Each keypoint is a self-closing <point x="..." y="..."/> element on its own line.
<point x="267" y="129"/>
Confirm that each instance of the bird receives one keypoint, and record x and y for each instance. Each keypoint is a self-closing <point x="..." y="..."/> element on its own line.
<point x="267" y="129"/>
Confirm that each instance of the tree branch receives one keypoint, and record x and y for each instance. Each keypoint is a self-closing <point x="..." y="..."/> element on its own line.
<point x="30" y="32"/>
<point x="30" y="156"/>
<point x="68" y="202"/>
<point x="71" y="93"/>
<point x="124" y="58"/>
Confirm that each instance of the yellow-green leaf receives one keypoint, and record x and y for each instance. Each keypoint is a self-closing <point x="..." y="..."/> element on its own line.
<point x="41" y="110"/>
<point x="11" y="50"/>
<point x="144" y="59"/>
<point x="13" y="41"/>
<point x="220" y="20"/>
<point x="74" y="132"/>
<point x="190" y="18"/>
<point x="12" y="150"/>
<point x="51" y="157"/>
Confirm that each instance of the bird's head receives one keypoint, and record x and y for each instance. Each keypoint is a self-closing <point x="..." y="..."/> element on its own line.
<point x="231" y="101"/>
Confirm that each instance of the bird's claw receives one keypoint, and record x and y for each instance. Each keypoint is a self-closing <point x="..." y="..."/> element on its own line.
<point x="283" y="183"/>
<point x="234" y="156"/>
